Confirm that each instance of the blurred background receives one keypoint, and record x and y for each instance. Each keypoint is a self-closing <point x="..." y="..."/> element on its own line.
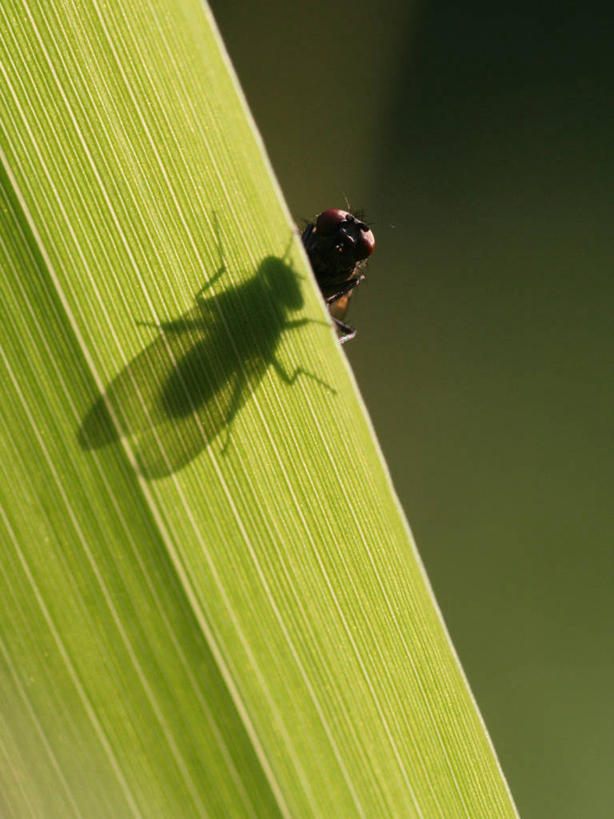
<point x="479" y="140"/>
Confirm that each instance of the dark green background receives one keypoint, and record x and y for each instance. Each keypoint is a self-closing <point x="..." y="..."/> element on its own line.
<point x="480" y="141"/>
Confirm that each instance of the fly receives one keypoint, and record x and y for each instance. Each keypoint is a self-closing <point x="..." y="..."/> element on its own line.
<point x="338" y="244"/>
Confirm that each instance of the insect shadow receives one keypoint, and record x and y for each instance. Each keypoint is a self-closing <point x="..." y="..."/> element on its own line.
<point x="188" y="384"/>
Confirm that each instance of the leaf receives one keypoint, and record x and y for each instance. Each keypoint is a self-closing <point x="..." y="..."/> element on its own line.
<point x="211" y="603"/>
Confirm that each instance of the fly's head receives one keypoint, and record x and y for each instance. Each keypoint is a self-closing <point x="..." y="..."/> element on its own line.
<point x="338" y="245"/>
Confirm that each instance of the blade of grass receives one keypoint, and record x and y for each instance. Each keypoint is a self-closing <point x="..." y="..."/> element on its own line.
<point x="211" y="601"/>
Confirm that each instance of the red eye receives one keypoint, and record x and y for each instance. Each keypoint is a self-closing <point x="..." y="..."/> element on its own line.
<point x="329" y="220"/>
<point x="366" y="244"/>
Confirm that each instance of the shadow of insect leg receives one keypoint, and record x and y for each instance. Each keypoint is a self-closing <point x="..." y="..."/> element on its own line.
<point x="175" y="326"/>
<point x="222" y="268"/>
<point x="218" y="274"/>
<point x="290" y="379"/>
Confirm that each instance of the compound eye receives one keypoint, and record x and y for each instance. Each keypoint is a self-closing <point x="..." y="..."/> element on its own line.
<point x="365" y="244"/>
<point x="329" y="220"/>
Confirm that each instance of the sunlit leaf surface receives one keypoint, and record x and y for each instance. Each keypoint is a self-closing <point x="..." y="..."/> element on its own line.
<point x="211" y="604"/>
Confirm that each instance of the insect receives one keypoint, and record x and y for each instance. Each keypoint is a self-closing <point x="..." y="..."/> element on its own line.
<point x="338" y="244"/>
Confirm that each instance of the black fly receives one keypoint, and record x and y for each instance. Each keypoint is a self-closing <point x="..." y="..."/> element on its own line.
<point x="338" y="245"/>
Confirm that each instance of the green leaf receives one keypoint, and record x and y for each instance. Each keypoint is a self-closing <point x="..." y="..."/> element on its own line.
<point x="211" y="603"/>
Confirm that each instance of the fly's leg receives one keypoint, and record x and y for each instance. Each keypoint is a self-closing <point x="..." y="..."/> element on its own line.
<point x="348" y="332"/>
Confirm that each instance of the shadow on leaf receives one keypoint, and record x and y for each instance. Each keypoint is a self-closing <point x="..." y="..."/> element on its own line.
<point x="187" y="385"/>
